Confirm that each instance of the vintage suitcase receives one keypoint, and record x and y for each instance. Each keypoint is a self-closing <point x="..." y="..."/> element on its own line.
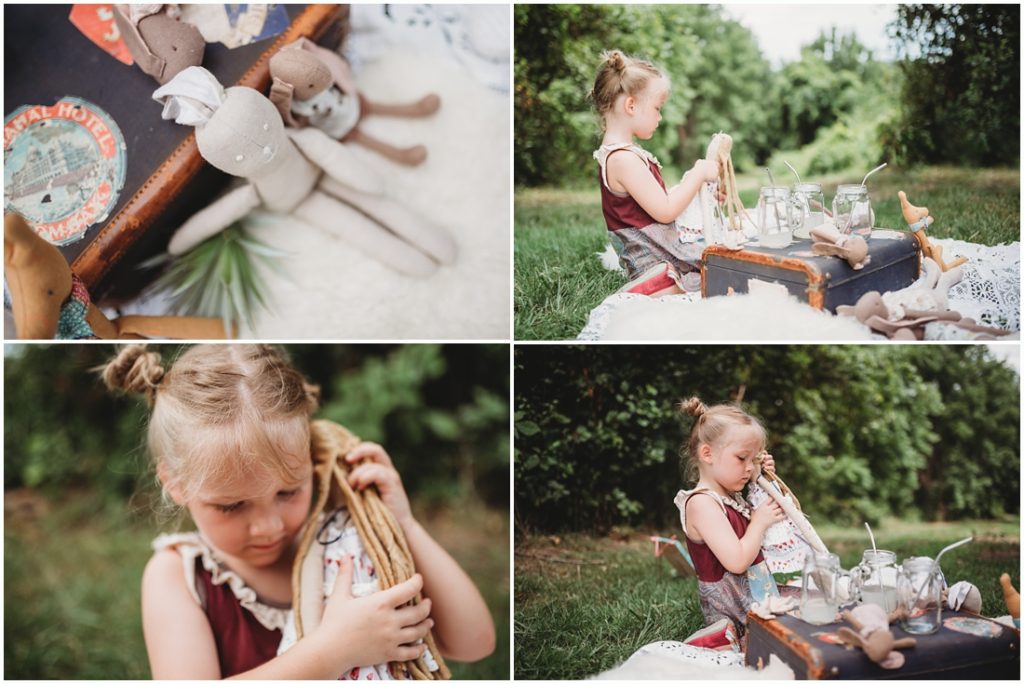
<point x="166" y="180"/>
<point x="822" y="282"/>
<point x="965" y="647"/>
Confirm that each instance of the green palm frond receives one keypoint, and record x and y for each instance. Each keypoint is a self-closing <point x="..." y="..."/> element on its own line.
<point x="218" y="277"/>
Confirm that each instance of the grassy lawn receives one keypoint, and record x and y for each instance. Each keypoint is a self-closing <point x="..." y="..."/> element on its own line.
<point x="558" y="280"/>
<point x="72" y="574"/>
<point x="585" y="604"/>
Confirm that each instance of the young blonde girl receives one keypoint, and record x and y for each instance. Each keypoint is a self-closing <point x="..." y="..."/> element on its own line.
<point x="230" y="436"/>
<point x="723" y="534"/>
<point x="638" y="209"/>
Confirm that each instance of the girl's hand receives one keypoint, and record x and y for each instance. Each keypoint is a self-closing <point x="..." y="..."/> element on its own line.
<point x="768" y="463"/>
<point x="706" y="169"/>
<point x="373" y="467"/>
<point x="378" y="628"/>
<point x="767" y="514"/>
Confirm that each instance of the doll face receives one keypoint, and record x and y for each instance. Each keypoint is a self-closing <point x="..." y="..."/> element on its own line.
<point x="244" y="136"/>
<point x="303" y="70"/>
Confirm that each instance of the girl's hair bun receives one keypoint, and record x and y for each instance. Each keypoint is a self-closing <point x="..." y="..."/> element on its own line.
<point x="135" y="370"/>
<point x="693" y="406"/>
<point x="616" y="59"/>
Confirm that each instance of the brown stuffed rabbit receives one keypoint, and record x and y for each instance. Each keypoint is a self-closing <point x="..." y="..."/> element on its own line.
<point x="313" y="86"/>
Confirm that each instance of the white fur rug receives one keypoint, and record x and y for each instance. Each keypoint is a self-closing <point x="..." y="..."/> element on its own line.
<point x="675" y="660"/>
<point x="327" y="290"/>
<point x="763" y="316"/>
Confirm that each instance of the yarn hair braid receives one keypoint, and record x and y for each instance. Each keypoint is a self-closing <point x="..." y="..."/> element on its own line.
<point x="381" y="536"/>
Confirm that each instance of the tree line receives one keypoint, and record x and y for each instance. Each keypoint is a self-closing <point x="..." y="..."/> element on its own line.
<point x="952" y="96"/>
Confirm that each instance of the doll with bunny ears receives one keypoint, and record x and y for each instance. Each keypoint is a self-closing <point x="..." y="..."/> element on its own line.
<point x="299" y="171"/>
<point x="313" y="86"/>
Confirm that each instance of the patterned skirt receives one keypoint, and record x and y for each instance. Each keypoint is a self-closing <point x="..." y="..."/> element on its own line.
<point x="639" y="249"/>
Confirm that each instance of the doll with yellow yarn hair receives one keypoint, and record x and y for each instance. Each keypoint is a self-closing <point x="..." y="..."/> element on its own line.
<point x="230" y="434"/>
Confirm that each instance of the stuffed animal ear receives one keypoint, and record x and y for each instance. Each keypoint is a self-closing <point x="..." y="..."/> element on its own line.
<point x="850" y="638"/>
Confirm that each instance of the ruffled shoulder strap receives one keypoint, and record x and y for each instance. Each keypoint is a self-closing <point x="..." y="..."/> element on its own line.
<point x="684" y="495"/>
<point x="191" y="546"/>
<point x="602" y="153"/>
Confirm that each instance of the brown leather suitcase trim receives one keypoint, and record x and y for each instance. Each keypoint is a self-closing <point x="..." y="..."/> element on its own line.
<point x="167" y="182"/>
<point x="815" y="279"/>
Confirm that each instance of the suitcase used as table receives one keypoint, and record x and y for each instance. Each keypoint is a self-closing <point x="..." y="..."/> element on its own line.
<point x="166" y="180"/>
<point x="824" y="282"/>
<point x="965" y="647"/>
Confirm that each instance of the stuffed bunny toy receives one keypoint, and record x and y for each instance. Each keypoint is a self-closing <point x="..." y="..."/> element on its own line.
<point x="918" y="219"/>
<point x="313" y="86"/>
<point x="298" y="171"/>
<point x="161" y="44"/>
<point x="829" y="241"/>
<point x="49" y="301"/>
<point x="873" y="636"/>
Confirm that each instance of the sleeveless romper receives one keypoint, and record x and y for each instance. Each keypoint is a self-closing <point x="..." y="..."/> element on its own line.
<point x="725" y="594"/>
<point x="640" y="241"/>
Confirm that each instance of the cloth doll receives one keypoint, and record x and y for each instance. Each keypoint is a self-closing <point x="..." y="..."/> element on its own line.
<point x="873" y="636"/>
<point x="298" y="171"/>
<point x="50" y="302"/>
<point x="829" y="241"/>
<point x="313" y="86"/>
<point x="161" y="44"/>
<point x="918" y="220"/>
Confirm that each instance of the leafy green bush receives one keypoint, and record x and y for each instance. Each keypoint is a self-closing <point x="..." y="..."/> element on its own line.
<point x="858" y="432"/>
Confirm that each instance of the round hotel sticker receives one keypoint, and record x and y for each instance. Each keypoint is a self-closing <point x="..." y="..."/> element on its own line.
<point x="64" y="166"/>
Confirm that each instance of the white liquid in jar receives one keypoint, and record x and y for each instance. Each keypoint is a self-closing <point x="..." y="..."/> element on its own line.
<point x="884" y="596"/>
<point x="817" y="611"/>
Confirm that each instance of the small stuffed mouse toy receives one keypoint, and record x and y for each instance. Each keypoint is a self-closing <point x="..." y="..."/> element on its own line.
<point x="872" y="635"/>
<point x="298" y="171"/>
<point x="161" y="44"/>
<point x="829" y="241"/>
<point x="50" y="302"/>
<point x="918" y="220"/>
<point x="313" y="86"/>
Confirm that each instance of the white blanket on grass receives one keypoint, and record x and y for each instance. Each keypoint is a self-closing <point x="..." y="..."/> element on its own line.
<point x="676" y="660"/>
<point x="989" y="293"/>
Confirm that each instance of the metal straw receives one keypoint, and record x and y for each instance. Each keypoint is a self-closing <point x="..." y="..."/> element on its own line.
<point x="793" y="170"/>
<point x="877" y="168"/>
<point x="771" y="180"/>
<point x="935" y="566"/>
<point x="778" y="216"/>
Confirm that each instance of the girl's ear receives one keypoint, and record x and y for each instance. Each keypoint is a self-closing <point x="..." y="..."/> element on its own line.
<point x="172" y="489"/>
<point x="704" y="452"/>
<point x="629" y="104"/>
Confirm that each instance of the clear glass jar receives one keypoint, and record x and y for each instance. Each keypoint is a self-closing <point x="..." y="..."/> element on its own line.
<point x="851" y="209"/>
<point x="808" y="208"/>
<point x="819" y="587"/>
<point x="774" y="216"/>
<point x="874" y="579"/>
<point x="920" y="596"/>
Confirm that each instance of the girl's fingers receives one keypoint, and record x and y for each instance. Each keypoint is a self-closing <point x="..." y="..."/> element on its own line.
<point x="412" y="634"/>
<point x="403" y="592"/>
<point x="403" y="653"/>
<point x="414" y="615"/>
<point x="366" y="474"/>
<point x="342" y="588"/>
<point x="368" y="451"/>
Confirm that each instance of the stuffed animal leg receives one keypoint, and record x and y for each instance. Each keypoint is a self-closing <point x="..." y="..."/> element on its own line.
<point x="918" y="220"/>
<point x="370" y="238"/>
<point x="224" y="211"/>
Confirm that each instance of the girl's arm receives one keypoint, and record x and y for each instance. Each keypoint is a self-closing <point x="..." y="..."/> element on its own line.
<point x="705" y="517"/>
<point x="629" y="173"/>
<point x="354" y="632"/>
<point x="463" y="626"/>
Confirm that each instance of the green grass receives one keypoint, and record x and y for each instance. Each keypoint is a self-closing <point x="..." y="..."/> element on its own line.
<point x="558" y="280"/>
<point x="72" y="572"/>
<point x="585" y="604"/>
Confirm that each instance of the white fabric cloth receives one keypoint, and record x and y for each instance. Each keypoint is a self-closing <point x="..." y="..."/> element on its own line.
<point x="330" y="110"/>
<point x="191" y="97"/>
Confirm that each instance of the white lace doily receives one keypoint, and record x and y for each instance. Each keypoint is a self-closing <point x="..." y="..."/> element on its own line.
<point x="990" y="289"/>
<point x="597" y="323"/>
<point x="678" y="661"/>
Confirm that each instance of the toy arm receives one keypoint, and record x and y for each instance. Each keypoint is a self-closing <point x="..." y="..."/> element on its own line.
<point x="224" y="211"/>
<point x="336" y="160"/>
<point x="281" y="95"/>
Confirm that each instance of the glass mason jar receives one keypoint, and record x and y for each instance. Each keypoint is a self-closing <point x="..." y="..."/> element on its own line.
<point x="874" y="579"/>
<point x="774" y="216"/>
<point x="808" y="208"/>
<point x="920" y="596"/>
<point x="851" y="208"/>
<point x="819" y="588"/>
